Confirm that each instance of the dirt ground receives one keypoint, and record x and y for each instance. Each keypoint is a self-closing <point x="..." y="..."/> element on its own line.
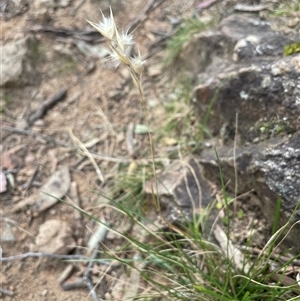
<point x="100" y="106"/>
<point x="101" y="103"/>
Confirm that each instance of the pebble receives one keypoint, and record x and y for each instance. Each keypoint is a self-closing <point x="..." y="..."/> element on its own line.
<point x="55" y="236"/>
<point x="30" y="158"/>
<point x="44" y="293"/>
<point x="107" y="296"/>
<point x="7" y="235"/>
<point x="21" y="124"/>
<point x="39" y="122"/>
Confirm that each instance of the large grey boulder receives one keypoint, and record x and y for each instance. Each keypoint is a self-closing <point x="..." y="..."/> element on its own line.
<point x="270" y="168"/>
<point x="244" y="72"/>
<point x="18" y="63"/>
<point x="244" y="78"/>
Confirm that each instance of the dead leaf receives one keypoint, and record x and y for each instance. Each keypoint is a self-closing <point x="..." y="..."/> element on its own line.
<point x="56" y="187"/>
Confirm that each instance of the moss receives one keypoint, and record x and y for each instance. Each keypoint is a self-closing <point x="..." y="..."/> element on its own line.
<point x="291" y="48"/>
<point x="272" y="127"/>
<point x="4" y="102"/>
<point x="36" y="50"/>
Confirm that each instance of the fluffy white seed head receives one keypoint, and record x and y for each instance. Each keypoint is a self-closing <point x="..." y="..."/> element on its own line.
<point x="120" y="45"/>
<point x="137" y="63"/>
<point x="107" y="27"/>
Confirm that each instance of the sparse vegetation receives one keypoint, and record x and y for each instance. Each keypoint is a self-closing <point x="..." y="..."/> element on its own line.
<point x="184" y="34"/>
<point x="180" y="262"/>
<point x="284" y="8"/>
<point x="4" y="102"/>
<point x="197" y="257"/>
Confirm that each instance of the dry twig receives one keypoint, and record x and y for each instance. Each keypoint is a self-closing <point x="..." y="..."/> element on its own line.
<point x="4" y="291"/>
<point x="86" y="152"/>
<point x="33" y="134"/>
<point x="47" y="255"/>
<point x="147" y="8"/>
<point x="46" y="105"/>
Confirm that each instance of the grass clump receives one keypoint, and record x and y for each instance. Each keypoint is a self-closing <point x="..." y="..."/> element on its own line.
<point x="286" y="9"/>
<point x="182" y="36"/>
<point x="5" y="100"/>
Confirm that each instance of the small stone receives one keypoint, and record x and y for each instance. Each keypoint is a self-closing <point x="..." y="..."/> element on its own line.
<point x="39" y="122"/>
<point x="53" y="212"/>
<point x="293" y="22"/>
<point x="115" y="95"/>
<point x="30" y="158"/>
<point x="17" y="63"/>
<point x="45" y="293"/>
<point x="155" y="70"/>
<point x="21" y="124"/>
<point x="55" y="236"/>
<point x="7" y="235"/>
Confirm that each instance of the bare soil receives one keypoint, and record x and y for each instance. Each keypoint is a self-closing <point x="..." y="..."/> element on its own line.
<point x="101" y="102"/>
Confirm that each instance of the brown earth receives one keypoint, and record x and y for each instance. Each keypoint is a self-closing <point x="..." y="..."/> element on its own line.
<point x="89" y="110"/>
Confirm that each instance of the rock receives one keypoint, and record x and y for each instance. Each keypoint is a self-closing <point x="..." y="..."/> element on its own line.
<point x="55" y="188"/>
<point x="51" y="3"/>
<point x="245" y="73"/>
<point x="11" y="9"/>
<point x="267" y="105"/>
<point x="55" y="236"/>
<point x="271" y="168"/>
<point x="182" y="191"/>
<point x="7" y="235"/>
<point x="3" y="182"/>
<point x="17" y="63"/>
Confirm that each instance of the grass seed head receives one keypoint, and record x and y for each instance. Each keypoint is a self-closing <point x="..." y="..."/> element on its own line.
<point x="120" y="45"/>
<point x="107" y="27"/>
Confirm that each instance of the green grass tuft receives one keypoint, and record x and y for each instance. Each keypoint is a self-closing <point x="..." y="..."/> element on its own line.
<point x="182" y="36"/>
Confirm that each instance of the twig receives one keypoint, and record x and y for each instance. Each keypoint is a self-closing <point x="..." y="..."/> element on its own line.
<point x="73" y="283"/>
<point x="283" y="258"/>
<point x="235" y="163"/>
<point x="27" y="185"/>
<point x="74" y="10"/>
<point x="205" y="4"/>
<point x="250" y="8"/>
<point x="74" y="197"/>
<point x="147" y="8"/>
<point x="87" y="153"/>
<point x="6" y="292"/>
<point x="48" y="255"/>
<point x="85" y="35"/>
<point x="130" y="140"/>
<point x="86" y="278"/>
<point x="77" y="217"/>
<point x="100" y="236"/>
<point x="15" y="224"/>
<point x="46" y="105"/>
<point x="33" y="134"/>
<point x="65" y="274"/>
<point x="91" y="288"/>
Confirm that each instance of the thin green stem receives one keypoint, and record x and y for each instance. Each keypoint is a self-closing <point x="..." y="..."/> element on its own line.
<point x="140" y="88"/>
